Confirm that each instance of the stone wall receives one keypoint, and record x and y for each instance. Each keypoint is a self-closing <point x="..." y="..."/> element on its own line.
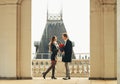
<point x="15" y="39"/>
<point x="8" y="41"/>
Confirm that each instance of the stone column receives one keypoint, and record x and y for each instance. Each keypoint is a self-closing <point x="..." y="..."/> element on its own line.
<point x="118" y="41"/>
<point x="95" y="40"/>
<point x="7" y="40"/>
<point x="24" y="40"/>
<point x="18" y="54"/>
<point x="15" y="39"/>
<point x="110" y="48"/>
<point x="103" y="40"/>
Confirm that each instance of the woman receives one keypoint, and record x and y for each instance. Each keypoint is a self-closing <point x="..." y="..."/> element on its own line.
<point x="53" y="48"/>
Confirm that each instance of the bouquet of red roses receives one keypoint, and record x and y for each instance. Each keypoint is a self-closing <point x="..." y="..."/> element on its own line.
<point x="61" y="46"/>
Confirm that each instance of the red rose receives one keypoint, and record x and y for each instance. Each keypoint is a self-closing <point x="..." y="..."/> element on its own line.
<point x="61" y="45"/>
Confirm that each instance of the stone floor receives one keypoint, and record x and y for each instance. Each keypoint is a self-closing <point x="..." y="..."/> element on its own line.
<point x="58" y="81"/>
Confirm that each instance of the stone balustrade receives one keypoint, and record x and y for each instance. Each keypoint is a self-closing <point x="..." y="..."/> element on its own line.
<point x="78" y="67"/>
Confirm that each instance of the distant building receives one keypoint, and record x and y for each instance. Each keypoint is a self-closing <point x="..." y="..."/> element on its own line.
<point x="54" y="26"/>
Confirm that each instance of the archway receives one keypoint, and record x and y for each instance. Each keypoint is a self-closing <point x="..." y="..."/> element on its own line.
<point x="74" y="21"/>
<point x="103" y="39"/>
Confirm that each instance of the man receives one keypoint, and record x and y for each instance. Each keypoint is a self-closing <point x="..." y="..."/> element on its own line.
<point x="67" y="57"/>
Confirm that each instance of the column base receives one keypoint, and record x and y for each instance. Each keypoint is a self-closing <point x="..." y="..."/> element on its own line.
<point x="15" y="78"/>
<point x="95" y="78"/>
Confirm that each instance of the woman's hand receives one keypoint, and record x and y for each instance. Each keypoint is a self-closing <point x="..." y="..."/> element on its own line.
<point x="63" y="53"/>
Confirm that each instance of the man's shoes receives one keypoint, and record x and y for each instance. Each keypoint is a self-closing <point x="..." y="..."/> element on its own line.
<point x="66" y="78"/>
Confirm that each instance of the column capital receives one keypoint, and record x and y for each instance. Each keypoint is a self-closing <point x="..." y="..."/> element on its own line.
<point x="109" y="8"/>
<point x="95" y="6"/>
<point x="103" y="5"/>
<point x="107" y="2"/>
<point x="108" y="5"/>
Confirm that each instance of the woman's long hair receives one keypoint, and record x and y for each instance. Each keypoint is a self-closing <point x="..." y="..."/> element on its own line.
<point x="52" y="39"/>
<point x="51" y="42"/>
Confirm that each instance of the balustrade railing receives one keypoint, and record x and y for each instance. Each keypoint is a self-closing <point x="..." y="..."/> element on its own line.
<point x="78" y="67"/>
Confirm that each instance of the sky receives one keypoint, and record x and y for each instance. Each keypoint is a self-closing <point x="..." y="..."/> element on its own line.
<point x="76" y="18"/>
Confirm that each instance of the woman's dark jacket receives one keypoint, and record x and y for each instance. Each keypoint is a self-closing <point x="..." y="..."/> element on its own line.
<point x="54" y="51"/>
